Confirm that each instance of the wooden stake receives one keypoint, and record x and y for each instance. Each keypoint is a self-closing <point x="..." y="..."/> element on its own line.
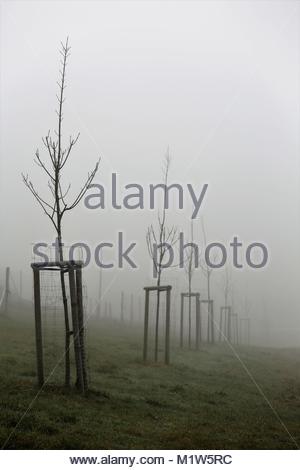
<point x="76" y="338"/>
<point x="131" y="308"/>
<point x="140" y="317"/>
<point x="167" y="346"/>
<point x="181" y="320"/>
<point x="229" y="324"/>
<point x="21" y="285"/>
<point x="7" y="290"/>
<point x="122" y="307"/>
<point x="248" y="332"/>
<point x="81" y="327"/>
<point x="146" y="321"/>
<point x="212" y="324"/>
<point x="221" y="325"/>
<point x="198" y="321"/>
<point x="38" y="327"/>
<point x="99" y="295"/>
<point x="190" y="319"/>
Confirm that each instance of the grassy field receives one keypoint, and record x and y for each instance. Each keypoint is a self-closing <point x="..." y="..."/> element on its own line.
<point x="203" y="400"/>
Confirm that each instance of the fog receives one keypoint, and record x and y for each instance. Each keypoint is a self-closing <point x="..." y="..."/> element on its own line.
<point x="215" y="82"/>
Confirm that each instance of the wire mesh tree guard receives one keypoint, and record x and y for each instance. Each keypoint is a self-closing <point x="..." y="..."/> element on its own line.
<point x="74" y="271"/>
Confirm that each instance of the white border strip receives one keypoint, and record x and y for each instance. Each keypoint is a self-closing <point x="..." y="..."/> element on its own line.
<point x="155" y="459"/>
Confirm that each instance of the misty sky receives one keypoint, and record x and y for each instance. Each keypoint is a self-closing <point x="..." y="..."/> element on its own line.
<point x="217" y="82"/>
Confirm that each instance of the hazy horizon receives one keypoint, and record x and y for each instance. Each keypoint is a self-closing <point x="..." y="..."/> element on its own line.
<point x="215" y="82"/>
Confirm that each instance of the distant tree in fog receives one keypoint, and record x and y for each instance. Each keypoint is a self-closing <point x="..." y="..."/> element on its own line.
<point x="190" y="263"/>
<point x="207" y="270"/>
<point x="227" y="285"/>
<point x="160" y="236"/>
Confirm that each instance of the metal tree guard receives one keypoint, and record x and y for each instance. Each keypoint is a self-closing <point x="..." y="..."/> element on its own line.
<point x="74" y="270"/>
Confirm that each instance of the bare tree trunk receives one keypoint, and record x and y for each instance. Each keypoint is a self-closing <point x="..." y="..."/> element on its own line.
<point x="66" y="316"/>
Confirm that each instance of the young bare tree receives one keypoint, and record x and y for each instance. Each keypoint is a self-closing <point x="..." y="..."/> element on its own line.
<point x="161" y="237"/>
<point x="190" y="265"/>
<point x="227" y="290"/>
<point x="227" y="285"/>
<point x="207" y="270"/>
<point x="55" y="204"/>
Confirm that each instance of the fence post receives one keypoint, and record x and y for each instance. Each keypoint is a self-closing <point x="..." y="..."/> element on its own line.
<point x="146" y="320"/>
